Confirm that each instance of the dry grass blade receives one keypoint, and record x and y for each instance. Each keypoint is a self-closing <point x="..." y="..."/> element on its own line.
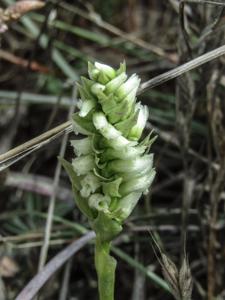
<point x="194" y="63"/>
<point x="40" y="279"/>
<point x="24" y="63"/>
<point x="23" y="150"/>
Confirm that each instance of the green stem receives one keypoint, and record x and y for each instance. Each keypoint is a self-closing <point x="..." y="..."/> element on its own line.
<point x="105" y="267"/>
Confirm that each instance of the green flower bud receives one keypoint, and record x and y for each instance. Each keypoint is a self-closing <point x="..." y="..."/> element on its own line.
<point x="100" y="72"/>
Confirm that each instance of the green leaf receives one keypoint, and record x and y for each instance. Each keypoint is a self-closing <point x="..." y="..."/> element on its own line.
<point x="144" y="270"/>
<point x="85" y="93"/>
<point x="97" y="144"/>
<point x="75" y="180"/>
<point x="82" y="204"/>
<point x="83" y="125"/>
<point x="118" y="112"/>
<point x="122" y="68"/>
<point x="112" y="188"/>
<point x="125" y="125"/>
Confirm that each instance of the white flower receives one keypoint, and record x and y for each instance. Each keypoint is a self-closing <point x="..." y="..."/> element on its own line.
<point x="90" y="183"/>
<point x="139" y="184"/>
<point x="131" y="84"/>
<point x="109" y="131"/>
<point x="86" y="107"/>
<point x="126" y="205"/>
<point x="83" y="164"/>
<point x="100" y="72"/>
<point x="82" y="146"/>
<point x="136" y="130"/>
<point x="135" y="165"/>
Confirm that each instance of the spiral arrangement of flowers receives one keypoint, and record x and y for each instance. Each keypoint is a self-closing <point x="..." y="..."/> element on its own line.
<point x="113" y="166"/>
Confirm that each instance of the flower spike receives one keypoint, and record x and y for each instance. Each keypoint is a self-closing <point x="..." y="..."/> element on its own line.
<point x="112" y="168"/>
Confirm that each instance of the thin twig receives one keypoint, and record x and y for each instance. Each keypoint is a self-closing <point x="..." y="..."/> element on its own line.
<point x="194" y="63"/>
<point x="31" y="289"/>
<point x="213" y="2"/>
<point x="16" y="11"/>
<point x="17" y="153"/>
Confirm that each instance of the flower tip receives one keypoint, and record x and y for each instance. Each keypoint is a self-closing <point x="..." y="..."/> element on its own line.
<point x="92" y="71"/>
<point x="104" y="67"/>
<point x="122" y="68"/>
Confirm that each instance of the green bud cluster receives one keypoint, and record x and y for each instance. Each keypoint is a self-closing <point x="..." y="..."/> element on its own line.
<point x="113" y="166"/>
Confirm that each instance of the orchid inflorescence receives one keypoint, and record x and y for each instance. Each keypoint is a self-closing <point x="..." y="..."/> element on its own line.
<point x="112" y="167"/>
